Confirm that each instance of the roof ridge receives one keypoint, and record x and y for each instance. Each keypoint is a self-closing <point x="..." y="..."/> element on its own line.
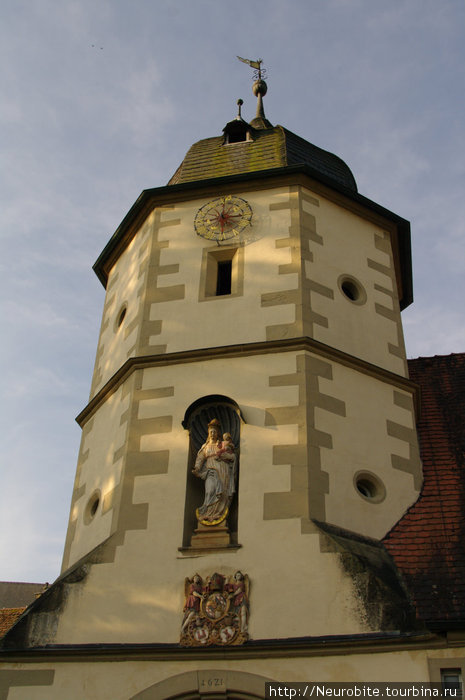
<point x="25" y="583"/>
<point x="439" y="357"/>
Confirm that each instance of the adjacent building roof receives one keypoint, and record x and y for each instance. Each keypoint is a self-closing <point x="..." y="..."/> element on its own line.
<point x="8" y="617"/>
<point x="428" y="543"/>
<point x="14" y="598"/>
<point x="266" y="149"/>
<point x="14" y="594"/>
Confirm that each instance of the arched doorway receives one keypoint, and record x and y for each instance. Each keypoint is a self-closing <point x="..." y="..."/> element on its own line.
<point x="208" y="684"/>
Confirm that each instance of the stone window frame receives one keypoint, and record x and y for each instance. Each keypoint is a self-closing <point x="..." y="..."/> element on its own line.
<point x="209" y="271"/>
<point x="437" y="666"/>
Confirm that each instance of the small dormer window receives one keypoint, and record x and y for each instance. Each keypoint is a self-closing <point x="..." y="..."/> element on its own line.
<point x="237" y="130"/>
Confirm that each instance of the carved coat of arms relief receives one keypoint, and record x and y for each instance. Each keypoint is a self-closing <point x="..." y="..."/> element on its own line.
<point x="216" y="611"/>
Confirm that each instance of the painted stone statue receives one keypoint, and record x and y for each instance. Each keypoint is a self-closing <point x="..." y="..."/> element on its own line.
<point x="194" y="594"/>
<point x="238" y="594"/>
<point x="215" y="611"/>
<point x="216" y="464"/>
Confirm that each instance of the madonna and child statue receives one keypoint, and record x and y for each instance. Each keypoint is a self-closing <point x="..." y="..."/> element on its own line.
<point x="216" y="465"/>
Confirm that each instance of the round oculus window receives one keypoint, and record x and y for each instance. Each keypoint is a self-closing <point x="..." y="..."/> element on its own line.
<point x="120" y="317"/>
<point x="352" y="289"/>
<point x="92" y="507"/>
<point x="369" y="487"/>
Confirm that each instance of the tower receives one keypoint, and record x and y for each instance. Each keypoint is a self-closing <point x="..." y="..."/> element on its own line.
<point x="257" y="296"/>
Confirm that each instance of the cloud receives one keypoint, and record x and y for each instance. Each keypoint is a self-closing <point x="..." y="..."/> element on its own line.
<point x="38" y="381"/>
<point x="138" y="108"/>
<point x="40" y="314"/>
<point x="433" y="330"/>
<point x="393" y="153"/>
<point x="32" y="533"/>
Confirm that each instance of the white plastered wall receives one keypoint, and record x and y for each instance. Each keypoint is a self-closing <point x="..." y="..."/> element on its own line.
<point x="361" y="443"/>
<point x="139" y="597"/>
<point x="124" y="290"/>
<point x="122" y="680"/>
<point x="348" y="244"/>
<point x="99" y="471"/>
<point x="188" y="324"/>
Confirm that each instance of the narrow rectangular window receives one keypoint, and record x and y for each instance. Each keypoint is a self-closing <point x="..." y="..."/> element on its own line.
<point x="224" y="276"/>
<point x="451" y="681"/>
<point x="447" y="674"/>
<point x="222" y="273"/>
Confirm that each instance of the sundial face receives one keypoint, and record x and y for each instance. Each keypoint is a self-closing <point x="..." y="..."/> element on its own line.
<point x="223" y="219"/>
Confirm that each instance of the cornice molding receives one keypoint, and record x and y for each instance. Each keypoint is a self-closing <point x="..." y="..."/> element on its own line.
<point x="376" y="643"/>
<point x="244" y="350"/>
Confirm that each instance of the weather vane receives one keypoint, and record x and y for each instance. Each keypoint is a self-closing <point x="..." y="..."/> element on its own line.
<point x="259" y="89"/>
<point x="259" y="72"/>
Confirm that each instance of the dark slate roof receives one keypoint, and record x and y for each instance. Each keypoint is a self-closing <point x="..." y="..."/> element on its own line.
<point x="379" y="587"/>
<point x="269" y="148"/>
<point x="428" y="543"/>
<point x="15" y="594"/>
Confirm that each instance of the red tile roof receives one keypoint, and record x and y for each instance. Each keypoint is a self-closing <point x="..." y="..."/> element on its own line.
<point x="8" y="617"/>
<point x="428" y="543"/>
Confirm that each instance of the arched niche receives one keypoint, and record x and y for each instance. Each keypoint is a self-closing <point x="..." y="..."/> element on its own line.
<point x="196" y="685"/>
<point x="196" y="420"/>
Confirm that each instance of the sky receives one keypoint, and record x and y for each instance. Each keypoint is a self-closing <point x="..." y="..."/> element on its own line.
<point x="101" y="99"/>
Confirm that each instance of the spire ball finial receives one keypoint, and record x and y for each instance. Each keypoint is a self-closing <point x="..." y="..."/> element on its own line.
<point x="239" y="104"/>
<point x="259" y="88"/>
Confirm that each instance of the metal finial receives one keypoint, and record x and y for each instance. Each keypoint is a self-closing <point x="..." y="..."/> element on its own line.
<point x="259" y="89"/>
<point x="239" y="103"/>
<point x="257" y="65"/>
